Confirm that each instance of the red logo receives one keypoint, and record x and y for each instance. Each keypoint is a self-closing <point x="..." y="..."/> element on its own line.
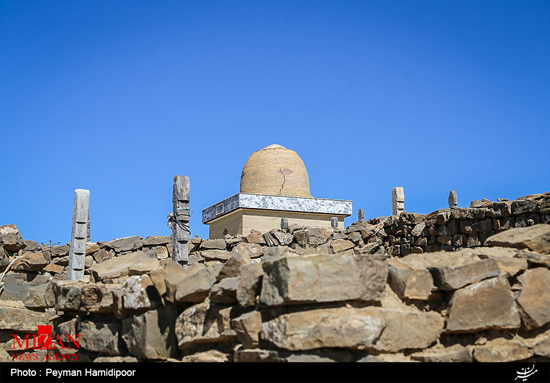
<point x="44" y="340"/>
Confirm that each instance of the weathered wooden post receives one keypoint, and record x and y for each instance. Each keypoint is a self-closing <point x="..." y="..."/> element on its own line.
<point x="334" y="222"/>
<point x="361" y="215"/>
<point x="77" y="252"/>
<point x="284" y="223"/>
<point x="179" y="220"/>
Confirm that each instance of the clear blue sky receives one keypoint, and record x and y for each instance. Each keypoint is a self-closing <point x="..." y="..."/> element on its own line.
<point x="118" y="97"/>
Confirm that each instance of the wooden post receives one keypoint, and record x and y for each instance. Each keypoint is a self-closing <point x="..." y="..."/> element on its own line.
<point x="361" y="215"/>
<point x="284" y="223"/>
<point x="77" y="252"/>
<point x="334" y="222"/>
<point x="179" y="220"/>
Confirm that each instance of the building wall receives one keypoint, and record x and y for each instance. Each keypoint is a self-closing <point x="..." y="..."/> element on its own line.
<point x="241" y="221"/>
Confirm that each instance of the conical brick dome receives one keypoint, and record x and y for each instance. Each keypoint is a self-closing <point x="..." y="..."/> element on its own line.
<point x="275" y="170"/>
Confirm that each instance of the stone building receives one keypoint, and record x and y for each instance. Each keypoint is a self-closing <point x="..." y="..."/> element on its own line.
<point x="274" y="185"/>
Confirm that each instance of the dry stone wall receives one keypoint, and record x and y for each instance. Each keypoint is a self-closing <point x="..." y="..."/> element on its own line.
<point x="299" y="294"/>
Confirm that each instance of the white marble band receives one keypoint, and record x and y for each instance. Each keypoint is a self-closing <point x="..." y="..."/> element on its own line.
<point x="271" y="202"/>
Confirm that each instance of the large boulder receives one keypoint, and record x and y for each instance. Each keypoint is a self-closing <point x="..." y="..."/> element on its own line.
<point x="151" y="335"/>
<point x="453" y="278"/>
<point x="535" y="238"/>
<point x="320" y="328"/>
<point x="103" y="337"/>
<point x="323" y="278"/>
<point x="32" y="289"/>
<point x="502" y="350"/>
<point x="15" y="317"/>
<point x="408" y="329"/>
<point x="119" y="267"/>
<point x="488" y="304"/>
<point x="534" y="298"/>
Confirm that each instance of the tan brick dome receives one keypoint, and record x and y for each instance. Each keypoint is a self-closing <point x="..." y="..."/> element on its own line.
<point x="275" y="170"/>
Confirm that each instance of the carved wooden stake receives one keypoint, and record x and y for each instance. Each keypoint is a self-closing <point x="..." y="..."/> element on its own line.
<point x="79" y="234"/>
<point x="179" y="220"/>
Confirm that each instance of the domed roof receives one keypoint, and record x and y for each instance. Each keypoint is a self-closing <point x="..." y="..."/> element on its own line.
<point x="275" y="170"/>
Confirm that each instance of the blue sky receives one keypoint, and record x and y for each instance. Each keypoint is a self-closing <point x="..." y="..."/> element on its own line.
<point x="118" y="97"/>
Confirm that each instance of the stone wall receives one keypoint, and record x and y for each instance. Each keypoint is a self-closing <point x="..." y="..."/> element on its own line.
<point x="451" y="229"/>
<point x="300" y="294"/>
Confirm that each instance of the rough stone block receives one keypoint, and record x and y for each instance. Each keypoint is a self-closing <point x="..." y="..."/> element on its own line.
<point x="213" y="244"/>
<point x="323" y="278"/>
<point x="100" y="298"/>
<point x="15" y="317"/>
<point x="139" y="293"/>
<point x="339" y="245"/>
<point x="215" y="255"/>
<point x="247" y="328"/>
<point x="453" y="278"/>
<point x="488" y="304"/>
<point x="525" y="206"/>
<point x="103" y="337"/>
<point x="125" y="244"/>
<point x="118" y="267"/>
<point x="342" y="327"/>
<point x="502" y="350"/>
<point x="165" y="279"/>
<point x="248" y="284"/>
<point x="234" y="262"/>
<point x="408" y="283"/>
<point x="205" y="322"/>
<point x="455" y="353"/>
<point x="11" y="239"/>
<point x="196" y="286"/>
<point x="30" y="288"/>
<point x="156" y="240"/>
<point x="224" y="291"/>
<point x="151" y="335"/>
<point x="534" y="298"/>
<point x="253" y="250"/>
<point x="30" y="262"/>
<point x="408" y="329"/>
<point x="535" y="238"/>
